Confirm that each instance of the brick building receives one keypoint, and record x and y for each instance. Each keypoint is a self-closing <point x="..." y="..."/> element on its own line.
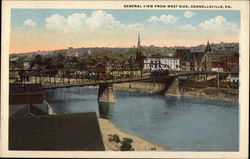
<point x="195" y="61"/>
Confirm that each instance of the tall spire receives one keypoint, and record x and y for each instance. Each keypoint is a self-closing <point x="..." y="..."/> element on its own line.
<point x="139" y="44"/>
<point x="208" y="48"/>
<point x="139" y="55"/>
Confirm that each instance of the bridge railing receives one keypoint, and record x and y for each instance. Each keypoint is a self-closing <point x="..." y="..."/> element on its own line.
<point x="77" y="76"/>
<point x="91" y="76"/>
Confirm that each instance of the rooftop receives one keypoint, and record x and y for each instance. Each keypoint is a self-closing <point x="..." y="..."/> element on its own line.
<point x="72" y="132"/>
<point x="25" y="88"/>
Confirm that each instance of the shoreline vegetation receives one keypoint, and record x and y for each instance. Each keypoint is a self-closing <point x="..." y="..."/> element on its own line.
<point x="138" y="144"/>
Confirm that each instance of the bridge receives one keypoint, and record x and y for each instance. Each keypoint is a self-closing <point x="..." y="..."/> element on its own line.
<point x="104" y="77"/>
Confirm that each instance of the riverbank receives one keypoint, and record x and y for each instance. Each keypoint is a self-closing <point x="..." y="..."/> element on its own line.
<point x="224" y="94"/>
<point x="141" y="86"/>
<point x="139" y="144"/>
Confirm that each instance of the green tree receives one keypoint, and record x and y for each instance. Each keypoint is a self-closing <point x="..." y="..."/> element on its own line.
<point x="126" y="144"/>
<point x="37" y="62"/>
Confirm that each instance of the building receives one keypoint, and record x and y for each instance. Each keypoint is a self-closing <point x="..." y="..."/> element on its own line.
<point x="89" y="52"/>
<point x="16" y="63"/>
<point x="155" y="61"/>
<point x="13" y="63"/>
<point x="195" y="61"/>
<point x="139" y="58"/>
<point x="226" y="61"/>
<point x="227" y="57"/>
<point x="162" y="62"/>
<point x="27" y="99"/>
<point x="234" y="77"/>
<point x="217" y="67"/>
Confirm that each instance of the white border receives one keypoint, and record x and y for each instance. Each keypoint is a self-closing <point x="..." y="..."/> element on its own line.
<point x="243" y="6"/>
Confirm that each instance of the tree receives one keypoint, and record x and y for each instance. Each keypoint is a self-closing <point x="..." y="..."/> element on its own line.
<point x="37" y="62"/>
<point x="126" y="144"/>
<point x="59" y="60"/>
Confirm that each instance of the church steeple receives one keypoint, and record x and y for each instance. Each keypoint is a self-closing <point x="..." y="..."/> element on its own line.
<point x="138" y="45"/>
<point x="208" y="48"/>
<point x="139" y="54"/>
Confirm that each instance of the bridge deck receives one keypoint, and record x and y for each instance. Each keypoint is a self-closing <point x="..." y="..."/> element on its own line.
<point x="60" y="81"/>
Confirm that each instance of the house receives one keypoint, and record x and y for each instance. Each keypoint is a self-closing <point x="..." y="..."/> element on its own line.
<point x="234" y="76"/>
<point x="26" y="63"/>
<point x="227" y="61"/>
<point x="13" y="63"/>
<point x="161" y="62"/>
<point x="217" y="67"/>
<point x="16" y="63"/>
<point x="27" y="99"/>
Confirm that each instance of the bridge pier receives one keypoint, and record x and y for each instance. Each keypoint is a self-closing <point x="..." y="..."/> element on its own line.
<point x="106" y="93"/>
<point x="172" y="87"/>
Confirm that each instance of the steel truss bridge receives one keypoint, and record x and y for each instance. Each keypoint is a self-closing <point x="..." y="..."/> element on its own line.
<point x="59" y="78"/>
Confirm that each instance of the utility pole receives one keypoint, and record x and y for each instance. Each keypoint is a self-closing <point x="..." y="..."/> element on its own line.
<point x="218" y="84"/>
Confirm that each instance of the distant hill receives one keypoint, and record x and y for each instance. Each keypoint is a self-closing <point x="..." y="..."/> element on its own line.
<point x="215" y="47"/>
<point x="220" y="47"/>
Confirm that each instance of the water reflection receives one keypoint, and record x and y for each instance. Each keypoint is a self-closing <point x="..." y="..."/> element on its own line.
<point x="106" y="109"/>
<point x="171" y="101"/>
<point x="182" y="123"/>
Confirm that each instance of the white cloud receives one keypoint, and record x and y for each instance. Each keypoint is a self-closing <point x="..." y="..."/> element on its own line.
<point x="188" y="27"/>
<point x="76" y="20"/>
<point x="153" y="19"/>
<point x="137" y="26"/>
<point x="55" y="22"/>
<point x="166" y="19"/>
<point x="218" y="23"/>
<point x="29" y="22"/>
<point x="97" y="20"/>
<point x="101" y="19"/>
<point x="189" y="14"/>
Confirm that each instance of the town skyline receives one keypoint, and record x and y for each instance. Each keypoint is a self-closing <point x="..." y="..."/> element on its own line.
<point x="199" y="47"/>
<point x="53" y="29"/>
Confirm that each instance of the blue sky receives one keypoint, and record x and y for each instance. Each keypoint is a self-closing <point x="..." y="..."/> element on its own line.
<point x="58" y="28"/>
<point x="18" y="16"/>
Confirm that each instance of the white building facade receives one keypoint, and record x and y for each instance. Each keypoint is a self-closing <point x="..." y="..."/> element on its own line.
<point x="217" y="69"/>
<point x="162" y="62"/>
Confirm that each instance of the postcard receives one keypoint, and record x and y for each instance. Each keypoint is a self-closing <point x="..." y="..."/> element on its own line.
<point x="134" y="79"/>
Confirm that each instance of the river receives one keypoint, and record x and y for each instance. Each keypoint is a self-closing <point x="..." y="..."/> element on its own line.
<point x="175" y="123"/>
